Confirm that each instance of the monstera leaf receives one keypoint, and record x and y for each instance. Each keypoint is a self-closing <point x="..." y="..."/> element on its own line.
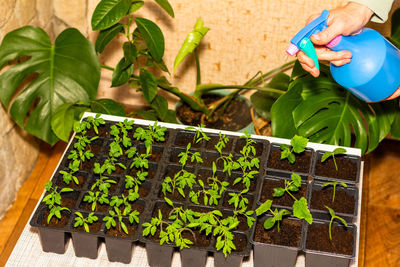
<point x="325" y="112"/>
<point x="67" y="71"/>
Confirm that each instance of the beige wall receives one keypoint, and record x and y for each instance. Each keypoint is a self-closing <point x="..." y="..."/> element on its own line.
<point x="245" y="37"/>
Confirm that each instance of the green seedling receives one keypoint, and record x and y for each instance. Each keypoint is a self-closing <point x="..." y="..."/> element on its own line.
<point x="96" y="197"/>
<point x="298" y="145"/>
<point x="119" y="215"/>
<point x="200" y="134"/>
<point x="95" y="122"/>
<point x="334" y="184"/>
<point x="154" y="133"/>
<point x="238" y="200"/>
<point x="334" y="216"/>
<point x="80" y="220"/>
<point x="53" y="200"/>
<point x="180" y="180"/>
<point x="247" y="163"/>
<point x="229" y="163"/>
<point x="135" y="182"/>
<point x="120" y="132"/>
<point x="335" y="152"/>
<point x="188" y="155"/>
<point x="215" y="183"/>
<point x="277" y="215"/>
<point x="69" y="176"/>
<point x="300" y="206"/>
<point x="210" y="196"/>
<point x="103" y="183"/>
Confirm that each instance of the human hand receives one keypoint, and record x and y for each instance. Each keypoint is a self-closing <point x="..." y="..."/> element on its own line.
<point x="345" y="20"/>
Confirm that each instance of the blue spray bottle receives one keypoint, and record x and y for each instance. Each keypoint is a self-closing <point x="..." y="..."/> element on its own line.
<point x="373" y="73"/>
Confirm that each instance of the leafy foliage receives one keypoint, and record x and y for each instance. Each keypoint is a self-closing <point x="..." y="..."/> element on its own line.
<point x="298" y="145"/>
<point x="62" y="76"/>
<point x="300" y="206"/>
<point x="277" y="215"/>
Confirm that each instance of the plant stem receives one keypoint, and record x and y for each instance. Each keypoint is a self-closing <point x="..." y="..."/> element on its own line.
<point x="334" y="161"/>
<point x="330" y="228"/>
<point x="334" y="192"/>
<point x="198" y="72"/>
<point x="106" y="67"/>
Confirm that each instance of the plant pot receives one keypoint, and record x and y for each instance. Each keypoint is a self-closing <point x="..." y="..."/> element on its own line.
<point x="86" y="244"/>
<point x="320" y="254"/>
<point x="302" y="166"/>
<point x="230" y="261"/>
<point x="53" y="239"/>
<point x="118" y="250"/>
<point x="159" y="256"/>
<point x="271" y="248"/>
<point x="164" y="163"/>
<point x="345" y="204"/>
<point x="193" y="257"/>
<point x="221" y="93"/>
<point x="348" y="168"/>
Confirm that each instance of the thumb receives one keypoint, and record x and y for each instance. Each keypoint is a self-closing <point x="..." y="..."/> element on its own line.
<point x="325" y="36"/>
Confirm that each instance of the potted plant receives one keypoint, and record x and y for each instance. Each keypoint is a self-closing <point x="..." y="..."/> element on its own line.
<point x="204" y="198"/>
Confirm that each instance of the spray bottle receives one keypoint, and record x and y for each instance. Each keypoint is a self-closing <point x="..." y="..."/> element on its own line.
<point x="373" y="74"/>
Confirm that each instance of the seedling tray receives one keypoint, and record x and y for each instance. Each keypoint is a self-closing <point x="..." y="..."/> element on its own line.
<point x="159" y="166"/>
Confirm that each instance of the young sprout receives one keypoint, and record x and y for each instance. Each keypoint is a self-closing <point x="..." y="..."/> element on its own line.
<point x="334" y="184"/>
<point x="53" y="200"/>
<point x="103" y="183"/>
<point x="277" y="215"/>
<point x="154" y="133"/>
<point x="117" y="213"/>
<point x="334" y="216"/>
<point x="300" y="206"/>
<point x="200" y="134"/>
<point x="80" y="220"/>
<point x="94" y="198"/>
<point x="95" y="122"/>
<point x="188" y="155"/>
<point x="335" y="152"/>
<point x="298" y="144"/>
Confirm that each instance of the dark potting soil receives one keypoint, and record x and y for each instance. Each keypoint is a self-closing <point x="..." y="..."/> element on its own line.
<point x="143" y="191"/>
<point x="242" y="142"/>
<point x="227" y="197"/>
<point x="205" y="175"/>
<point x="175" y="196"/>
<point x="102" y="129"/>
<point x="318" y="239"/>
<point x="184" y="138"/>
<point x="68" y="202"/>
<point x="289" y="233"/>
<point x="99" y="207"/>
<point x="267" y="192"/>
<point x="93" y="228"/>
<point x="151" y="171"/>
<point x="54" y="221"/>
<point x="199" y="239"/>
<point x="118" y="232"/>
<point x="210" y="145"/>
<point x="88" y="165"/>
<point x="137" y="206"/>
<point x="82" y="179"/>
<point x="236" y="115"/>
<point x="209" y="158"/>
<point x="302" y="163"/>
<point x="156" y="153"/>
<point x="240" y="242"/>
<point x="347" y="169"/>
<point x="344" y="202"/>
<point x="164" y="208"/>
